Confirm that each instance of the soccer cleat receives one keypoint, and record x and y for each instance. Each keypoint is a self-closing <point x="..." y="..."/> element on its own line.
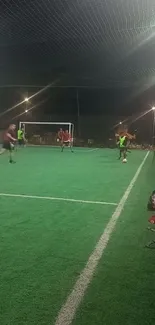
<point x="151" y="229"/>
<point x="12" y="161"/>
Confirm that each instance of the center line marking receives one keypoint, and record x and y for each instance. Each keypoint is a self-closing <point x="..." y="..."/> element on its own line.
<point x="68" y="310"/>
<point x="56" y="199"/>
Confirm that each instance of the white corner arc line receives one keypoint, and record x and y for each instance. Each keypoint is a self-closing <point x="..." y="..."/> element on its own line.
<point x="56" y="199"/>
<point x="68" y="310"/>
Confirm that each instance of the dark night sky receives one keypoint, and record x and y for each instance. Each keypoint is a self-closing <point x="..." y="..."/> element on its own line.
<point x="91" y="101"/>
<point x="104" y="45"/>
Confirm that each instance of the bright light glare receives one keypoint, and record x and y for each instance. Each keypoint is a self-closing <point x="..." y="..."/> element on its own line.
<point x="26" y="99"/>
<point x="120" y="122"/>
<point x="26" y="111"/>
<point x="153" y="108"/>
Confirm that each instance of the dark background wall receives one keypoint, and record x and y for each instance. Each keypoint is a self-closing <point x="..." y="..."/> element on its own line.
<point x="94" y="112"/>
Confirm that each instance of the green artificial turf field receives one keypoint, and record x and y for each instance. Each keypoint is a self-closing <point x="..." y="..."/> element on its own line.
<point x="54" y="207"/>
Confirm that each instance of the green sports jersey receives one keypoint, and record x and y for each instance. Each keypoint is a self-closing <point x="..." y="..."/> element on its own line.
<point x="122" y="141"/>
<point x="20" y="135"/>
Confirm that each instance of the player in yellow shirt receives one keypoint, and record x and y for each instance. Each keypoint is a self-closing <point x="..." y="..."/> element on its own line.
<point x="21" y="137"/>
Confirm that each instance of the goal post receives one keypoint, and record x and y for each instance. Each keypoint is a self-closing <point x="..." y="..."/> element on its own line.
<point x="45" y="132"/>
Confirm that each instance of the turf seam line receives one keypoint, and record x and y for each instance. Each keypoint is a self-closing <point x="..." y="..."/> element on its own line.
<point x="56" y="199"/>
<point x="68" y="311"/>
<point x="90" y="150"/>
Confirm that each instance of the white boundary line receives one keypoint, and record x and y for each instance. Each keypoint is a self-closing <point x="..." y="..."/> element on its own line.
<point x="68" y="310"/>
<point x="55" y="199"/>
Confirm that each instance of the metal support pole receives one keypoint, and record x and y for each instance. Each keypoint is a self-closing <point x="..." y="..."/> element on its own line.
<point x="78" y="112"/>
<point x="69" y="128"/>
<point x="153" y="128"/>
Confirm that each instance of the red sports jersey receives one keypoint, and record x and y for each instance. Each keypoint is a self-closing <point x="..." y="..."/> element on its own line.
<point x="66" y="137"/>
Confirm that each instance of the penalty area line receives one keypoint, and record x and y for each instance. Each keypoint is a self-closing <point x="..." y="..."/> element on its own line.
<point x="68" y="311"/>
<point x="56" y="199"/>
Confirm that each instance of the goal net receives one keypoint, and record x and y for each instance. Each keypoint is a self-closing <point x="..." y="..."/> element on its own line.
<point x="45" y="133"/>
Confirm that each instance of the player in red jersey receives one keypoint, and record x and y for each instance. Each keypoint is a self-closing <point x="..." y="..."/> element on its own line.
<point x="60" y="134"/>
<point x="67" y="141"/>
<point x="8" y="141"/>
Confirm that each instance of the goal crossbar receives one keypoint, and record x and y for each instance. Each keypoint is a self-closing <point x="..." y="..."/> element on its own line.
<point x="55" y="123"/>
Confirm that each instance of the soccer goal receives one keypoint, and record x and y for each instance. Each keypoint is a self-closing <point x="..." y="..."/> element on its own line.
<point x="45" y="133"/>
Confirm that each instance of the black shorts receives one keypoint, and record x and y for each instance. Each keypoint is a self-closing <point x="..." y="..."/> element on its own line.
<point x="21" y="142"/>
<point x="122" y="149"/>
<point x="7" y="145"/>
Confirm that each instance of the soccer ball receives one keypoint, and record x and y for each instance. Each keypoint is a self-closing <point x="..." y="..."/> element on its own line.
<point x="124" y="160"/>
